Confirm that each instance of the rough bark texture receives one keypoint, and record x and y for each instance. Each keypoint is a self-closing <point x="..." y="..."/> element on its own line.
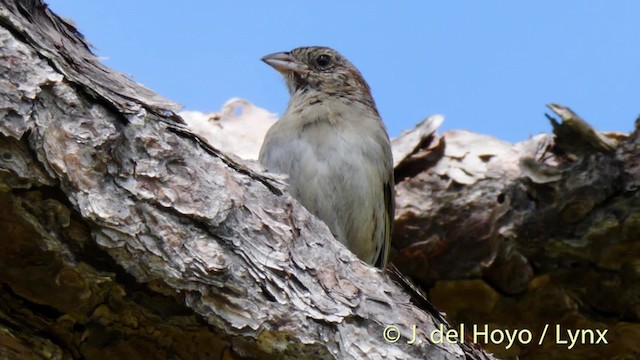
<point x="124" y="236"/>
<point x="544" y="232"/>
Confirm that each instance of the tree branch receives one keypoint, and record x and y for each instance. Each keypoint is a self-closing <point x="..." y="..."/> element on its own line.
<point x="130" y="237"/>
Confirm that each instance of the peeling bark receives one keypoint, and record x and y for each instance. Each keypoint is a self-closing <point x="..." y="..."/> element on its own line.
<point x="541" y="232"/>
<point x="127" y="236"/>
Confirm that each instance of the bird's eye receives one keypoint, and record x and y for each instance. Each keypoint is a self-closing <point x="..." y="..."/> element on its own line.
<point x="323" y="60"/>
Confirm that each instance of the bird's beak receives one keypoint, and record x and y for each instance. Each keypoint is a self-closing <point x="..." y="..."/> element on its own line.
<point x="283" y="62"/>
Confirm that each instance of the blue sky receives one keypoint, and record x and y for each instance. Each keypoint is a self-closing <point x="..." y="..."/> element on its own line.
<point x="488" y="66"/>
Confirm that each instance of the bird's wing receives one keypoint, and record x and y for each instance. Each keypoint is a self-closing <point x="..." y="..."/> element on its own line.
<point x="389" y="206"/>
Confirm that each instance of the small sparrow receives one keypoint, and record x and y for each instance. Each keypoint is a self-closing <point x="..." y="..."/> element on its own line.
<point x="332" y="144"/>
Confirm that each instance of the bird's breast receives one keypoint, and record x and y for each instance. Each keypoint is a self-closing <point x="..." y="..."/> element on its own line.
<point x="337" y="159"/>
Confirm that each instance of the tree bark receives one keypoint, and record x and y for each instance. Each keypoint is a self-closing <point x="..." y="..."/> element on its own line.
<point x="124" y="235"/>
<point x="538" y="236"/>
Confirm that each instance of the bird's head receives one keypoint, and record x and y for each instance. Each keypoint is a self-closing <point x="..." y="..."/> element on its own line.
<point x="322" y="69"/>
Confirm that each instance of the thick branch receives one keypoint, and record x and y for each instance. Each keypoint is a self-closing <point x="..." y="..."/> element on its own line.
<point x="130" y="237"/>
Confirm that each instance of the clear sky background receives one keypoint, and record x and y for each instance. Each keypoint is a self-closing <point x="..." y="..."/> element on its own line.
<point x="488" y="66"/>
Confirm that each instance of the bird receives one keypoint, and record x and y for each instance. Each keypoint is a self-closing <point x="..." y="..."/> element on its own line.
<point x="334" y="147"/>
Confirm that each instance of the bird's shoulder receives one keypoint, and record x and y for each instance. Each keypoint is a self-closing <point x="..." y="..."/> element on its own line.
<point x="308" y="110"/>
